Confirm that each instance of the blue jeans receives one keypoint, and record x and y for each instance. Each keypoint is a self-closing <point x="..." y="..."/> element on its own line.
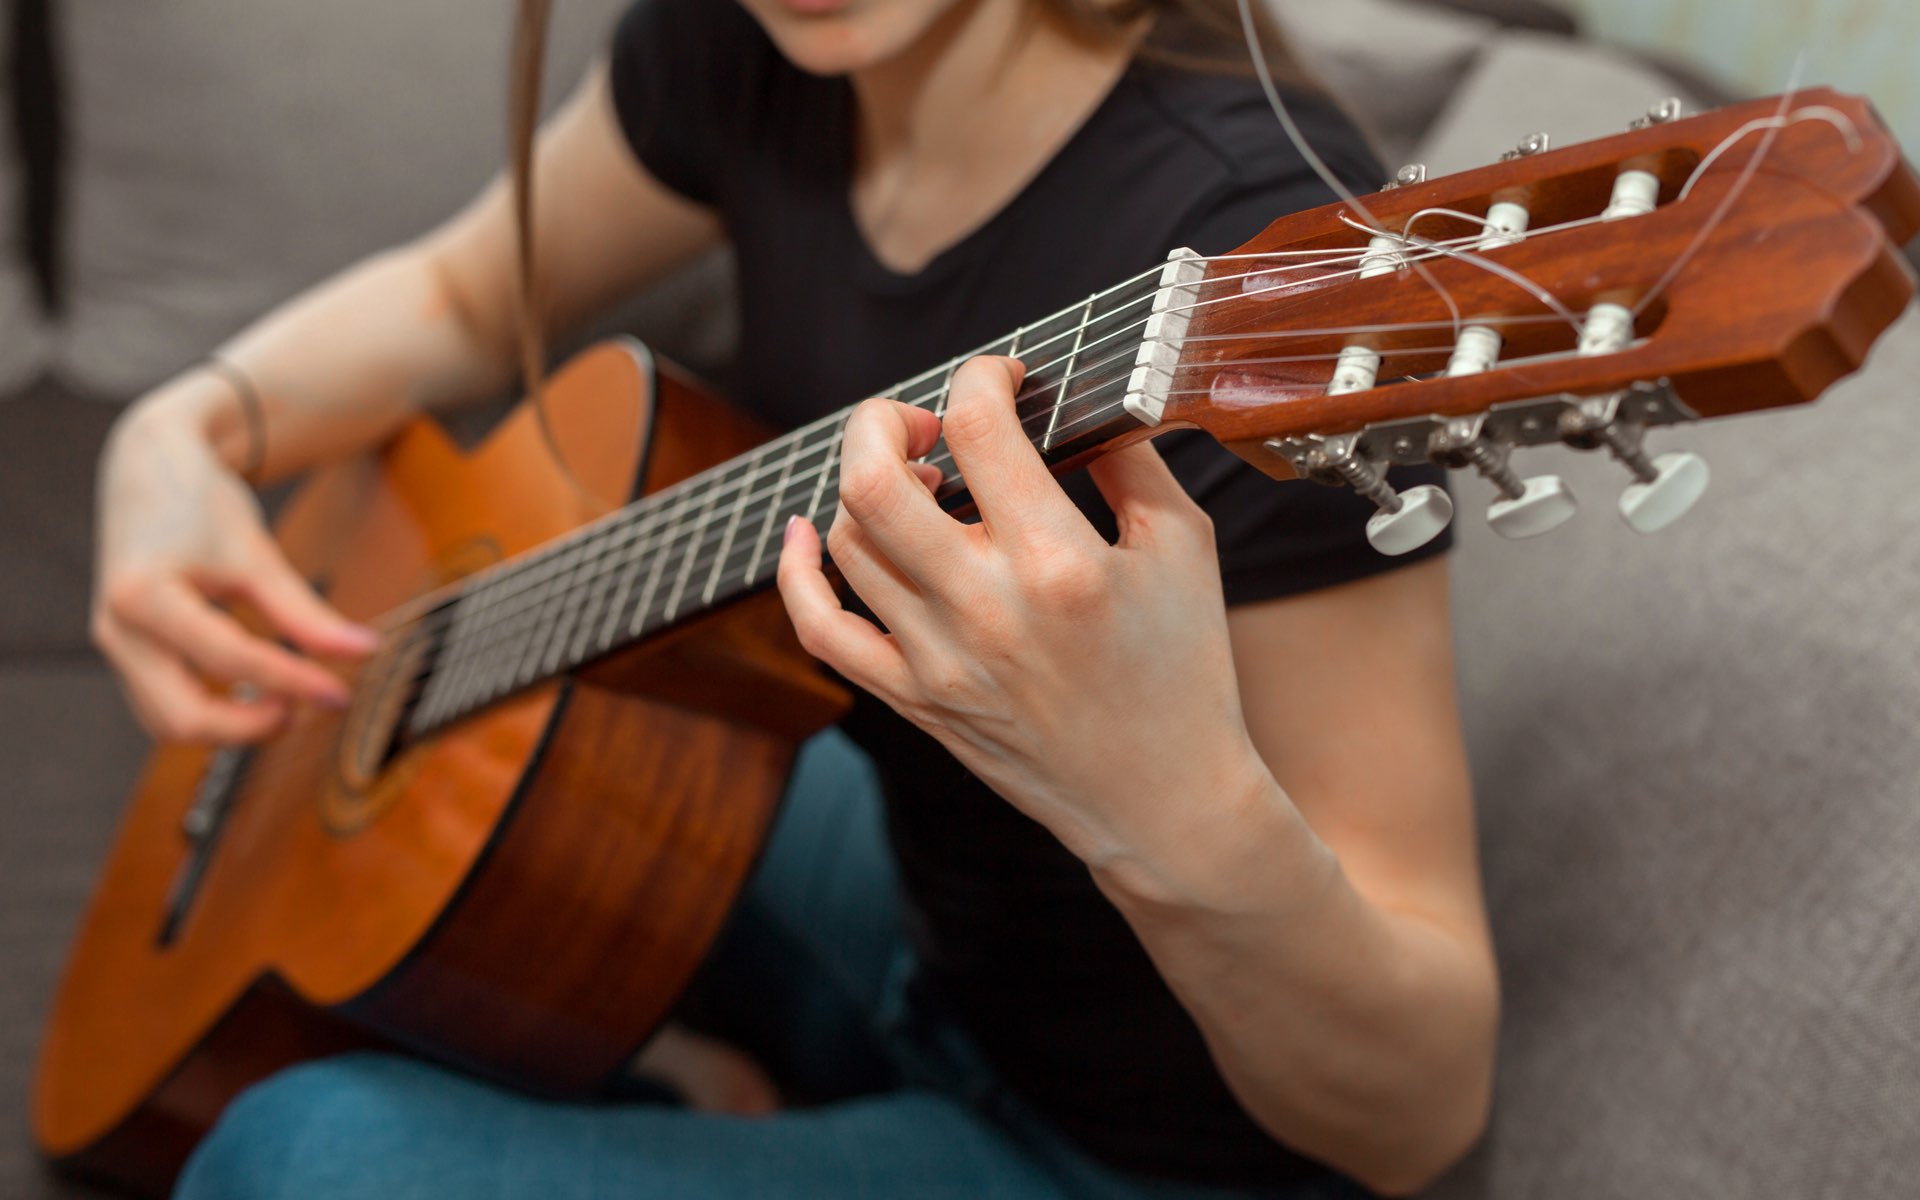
<point x="813" y="977"/>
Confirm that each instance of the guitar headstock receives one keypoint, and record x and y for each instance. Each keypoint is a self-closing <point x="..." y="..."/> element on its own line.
<point x="1740" y="260"/>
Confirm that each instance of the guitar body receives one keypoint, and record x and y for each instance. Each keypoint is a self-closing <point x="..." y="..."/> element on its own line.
<point x="523" y="894"/>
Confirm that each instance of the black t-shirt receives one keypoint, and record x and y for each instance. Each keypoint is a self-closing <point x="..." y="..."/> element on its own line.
<point x="1044" y="972"/>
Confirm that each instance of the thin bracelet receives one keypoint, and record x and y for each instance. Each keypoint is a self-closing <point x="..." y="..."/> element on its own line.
<point x="255" y="413"/>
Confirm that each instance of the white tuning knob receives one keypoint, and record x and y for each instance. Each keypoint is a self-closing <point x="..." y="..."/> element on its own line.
<point x="1678" y="480"/>
<point x="1544" y="504"/>
<point x="1418" y="518"/>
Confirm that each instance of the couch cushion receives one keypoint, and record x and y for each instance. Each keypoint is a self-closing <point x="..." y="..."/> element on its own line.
<point x="1532" y="82"/>
<point x="24" y="339"/>
<point x="1700" y="795"/>
<point x="223" y="156"/>
<point x="1391" y="63"/>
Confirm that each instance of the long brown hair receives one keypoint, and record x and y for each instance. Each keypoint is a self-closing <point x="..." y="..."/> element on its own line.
<point x="1203" y="35"/>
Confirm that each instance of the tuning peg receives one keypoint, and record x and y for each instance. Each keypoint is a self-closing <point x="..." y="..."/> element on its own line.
<point x="1527" y="507"/>
<point x="1407" y="520"/>
<point x="1664" y="488"/>
<point x="1670" y="485"/>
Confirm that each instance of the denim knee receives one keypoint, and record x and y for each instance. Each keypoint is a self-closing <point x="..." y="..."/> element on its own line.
<point x="322" y="1116"/>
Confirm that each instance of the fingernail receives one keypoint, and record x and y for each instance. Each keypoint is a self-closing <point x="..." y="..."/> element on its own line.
<point x="787" y="534"/>
<point x="337" y="701"/>
<point x="361" y="636"/>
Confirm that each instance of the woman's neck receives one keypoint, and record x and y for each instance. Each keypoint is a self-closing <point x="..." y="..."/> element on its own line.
<point x="951" y="129"/>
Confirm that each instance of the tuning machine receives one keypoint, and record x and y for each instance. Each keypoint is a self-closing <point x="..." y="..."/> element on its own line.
<point x="1406" y="521"/>
<point x="1664" y="113"/>
<point x="1527" y="507"/>
<point x="1532" y="144"/>
<point x="1664" y="488"/>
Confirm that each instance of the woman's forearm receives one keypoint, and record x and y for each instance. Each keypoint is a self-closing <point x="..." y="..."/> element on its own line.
<point x="337" y="369"/>
<point x="1359" y="1036"/>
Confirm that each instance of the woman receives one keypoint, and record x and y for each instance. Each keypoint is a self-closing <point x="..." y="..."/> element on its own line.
<point x="1184" y="829"/>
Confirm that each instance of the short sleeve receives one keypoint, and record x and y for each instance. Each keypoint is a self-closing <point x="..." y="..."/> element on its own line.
<point x="1278" y="539"/>
<point x="675" y="70"/>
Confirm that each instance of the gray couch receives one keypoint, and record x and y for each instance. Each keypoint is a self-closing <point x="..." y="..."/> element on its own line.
<point x="1700" y="796"/>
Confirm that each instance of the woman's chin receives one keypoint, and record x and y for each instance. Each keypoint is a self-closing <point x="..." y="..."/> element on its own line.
<point x="838" y="37"/>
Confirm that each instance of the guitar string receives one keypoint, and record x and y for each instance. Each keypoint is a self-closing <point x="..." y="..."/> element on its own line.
<point x="426" y="603"/>
<point x="711" y="477"/>
<point x="1320" y="257"/>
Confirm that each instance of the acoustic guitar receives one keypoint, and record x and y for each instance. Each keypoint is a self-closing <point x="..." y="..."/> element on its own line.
<point x="511" y="850"/>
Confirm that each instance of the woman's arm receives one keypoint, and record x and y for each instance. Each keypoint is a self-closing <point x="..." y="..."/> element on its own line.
<point x="338" y="369"/>
<point x="1326" y="935"/>
<point x="1325" y="927"/>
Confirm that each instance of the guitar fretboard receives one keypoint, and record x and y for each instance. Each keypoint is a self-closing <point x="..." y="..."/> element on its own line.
<point x="716" y="537"/>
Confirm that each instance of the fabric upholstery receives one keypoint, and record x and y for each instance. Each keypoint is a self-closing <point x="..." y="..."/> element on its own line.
<point x="1524" y="83"/>
<point x="1700" y="801"/>
<point x="1391" y="63"/>
<point x="24" y="338"/>
<point x="223" y="156"/>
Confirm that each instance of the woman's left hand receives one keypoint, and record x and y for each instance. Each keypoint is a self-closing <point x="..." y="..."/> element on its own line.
<point x="1089" y="684"/>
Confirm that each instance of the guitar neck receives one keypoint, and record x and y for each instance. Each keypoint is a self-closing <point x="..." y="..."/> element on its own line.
<point x="1093" y="371"/>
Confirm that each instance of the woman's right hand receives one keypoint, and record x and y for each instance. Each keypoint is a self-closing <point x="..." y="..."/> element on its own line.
<point x="179" y="532"/>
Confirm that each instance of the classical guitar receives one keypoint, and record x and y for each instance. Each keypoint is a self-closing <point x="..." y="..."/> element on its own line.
<point x="512" y="849"/>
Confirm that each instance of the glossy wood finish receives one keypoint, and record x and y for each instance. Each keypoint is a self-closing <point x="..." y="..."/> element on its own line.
<point x="532" y="900"/>
<point x="1781" y="299"/>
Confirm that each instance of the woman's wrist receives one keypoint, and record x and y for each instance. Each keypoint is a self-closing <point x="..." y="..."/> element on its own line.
<point x="1232" y="843"/>
<point x="202" y="405"/>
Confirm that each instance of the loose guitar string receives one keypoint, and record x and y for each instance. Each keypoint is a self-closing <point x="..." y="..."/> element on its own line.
<point x="714" y="568"/>
<point x="705" y="565"/>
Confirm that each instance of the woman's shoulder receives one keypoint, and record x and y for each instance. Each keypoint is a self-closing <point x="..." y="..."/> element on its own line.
<point x="696" y="83"/>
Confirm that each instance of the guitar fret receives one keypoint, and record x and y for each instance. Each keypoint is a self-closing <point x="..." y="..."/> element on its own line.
<point x="776" y="503"/>
<point x="639" y="533"/>
<point x="733" y="523"/>
<point x="596" y="599"/>
<point x="578" y="590"/>
<point x="681" y="509"/>
<point x="827" y="469"/>
<point x="690" y="552"/>
<point x="459" y="650"/>
<point x="1073" y="357"/>
<point x="544" y="612"/>
<point x="946" y="390"/>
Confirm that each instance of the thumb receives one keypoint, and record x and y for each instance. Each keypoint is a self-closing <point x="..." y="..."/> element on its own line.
<point x="1142" y="492"/>
<point x="293" y="607"/>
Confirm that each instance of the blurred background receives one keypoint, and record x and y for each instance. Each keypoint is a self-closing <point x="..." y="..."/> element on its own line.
<point x="1695" y="755"/>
